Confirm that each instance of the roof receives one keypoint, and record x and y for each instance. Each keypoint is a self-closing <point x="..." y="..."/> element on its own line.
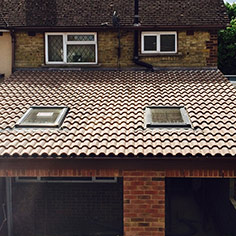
<point x="2" y="22"/>
<point x="92" y="13"/>
<point x="106" y="116"/>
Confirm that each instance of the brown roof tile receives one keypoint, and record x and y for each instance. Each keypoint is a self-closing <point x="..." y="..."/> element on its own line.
<point x="106" y="116"/>
<point x="58" y="13"/>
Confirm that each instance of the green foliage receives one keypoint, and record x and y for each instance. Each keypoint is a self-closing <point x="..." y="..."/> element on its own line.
<point x="227" y="43"/>
<point x="231" y="10"/>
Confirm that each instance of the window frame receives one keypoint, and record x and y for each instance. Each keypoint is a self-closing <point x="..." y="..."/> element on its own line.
<point x="56" y="124"/>
<point x="149" y="124"/>
<point x="66" y="42"/>
<point x="158" y="41"/>
<point x="93" y="179"/>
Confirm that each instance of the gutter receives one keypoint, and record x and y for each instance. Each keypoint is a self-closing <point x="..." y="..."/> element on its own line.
<point x="136" y="34"/>
<point x="110" y="27"/>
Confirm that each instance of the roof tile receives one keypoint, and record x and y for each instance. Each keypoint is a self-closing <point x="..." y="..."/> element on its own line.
<point x="87" y="13"/>
<point x="105" y="120"/>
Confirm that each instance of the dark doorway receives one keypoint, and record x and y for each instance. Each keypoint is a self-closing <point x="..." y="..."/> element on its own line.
<point x="67" y="209"/>
<point x="199" y="207"/>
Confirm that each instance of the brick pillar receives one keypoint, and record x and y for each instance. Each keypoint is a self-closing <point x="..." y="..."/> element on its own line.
<point x="212" y="45"/>
<point x="144" y="203"/>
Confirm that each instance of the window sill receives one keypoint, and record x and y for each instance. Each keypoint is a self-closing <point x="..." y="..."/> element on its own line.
<point x="178" y="54"/>
<point x="70" y="65"/>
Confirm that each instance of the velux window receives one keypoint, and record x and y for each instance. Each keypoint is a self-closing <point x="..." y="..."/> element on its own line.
<point x="71" y="48"/>
<point x="159" y="42"/>
<point x="43" y="117"/>
<point x="166" y="117"/>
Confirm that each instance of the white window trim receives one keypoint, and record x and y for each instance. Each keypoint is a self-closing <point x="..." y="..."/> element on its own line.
<point x="158" y="42"/>
<point x="66" y="42"/>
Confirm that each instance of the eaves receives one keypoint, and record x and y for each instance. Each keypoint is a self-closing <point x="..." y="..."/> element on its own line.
<point x="104" y="28"/>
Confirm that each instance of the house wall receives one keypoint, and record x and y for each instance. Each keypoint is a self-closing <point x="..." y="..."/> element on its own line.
<point x="197" y="50"/>
<point x="29" y="50"/>
<point x="143" y="202"/>
<point x="143" y="186"/>
<point x="5" y="54"/>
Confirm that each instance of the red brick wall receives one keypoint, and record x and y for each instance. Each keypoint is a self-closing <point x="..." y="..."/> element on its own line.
<point x="144" y="203"/>
<point x="212" y="45"/>
<point x="201" y="173"/>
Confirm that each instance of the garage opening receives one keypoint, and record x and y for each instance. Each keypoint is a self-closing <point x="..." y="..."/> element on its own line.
<point x="200" y="207"/>
<point x="67" y="206"/>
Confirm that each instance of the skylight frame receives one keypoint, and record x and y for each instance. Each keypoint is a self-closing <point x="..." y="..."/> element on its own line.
<point x="149" y="124"/>
<point x="59" y="120"/>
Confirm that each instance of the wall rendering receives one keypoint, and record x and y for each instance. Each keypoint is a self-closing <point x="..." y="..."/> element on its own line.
<point x="5" y="53"/>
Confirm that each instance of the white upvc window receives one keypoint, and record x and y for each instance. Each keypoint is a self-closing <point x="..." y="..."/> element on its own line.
<point x="159" y="42"/>
<point x="71" y="48"/>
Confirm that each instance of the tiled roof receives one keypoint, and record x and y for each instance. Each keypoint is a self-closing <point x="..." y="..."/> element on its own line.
<point x="2" y="23"/>
<point x="58" y="13"/>
<point x="106" y="116"/>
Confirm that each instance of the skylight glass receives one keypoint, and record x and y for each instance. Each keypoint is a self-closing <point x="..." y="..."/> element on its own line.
<point x="43" y="117"/>
<point x="167" y="117"/>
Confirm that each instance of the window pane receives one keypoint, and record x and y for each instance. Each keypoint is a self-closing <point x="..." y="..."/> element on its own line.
<point x="43" y="116"/>
<point x="150" y="43"/>
<point x="168" y="43"/>
<point x="55" y="48"/>
<point x="80" y="53"/>
<point x="166" y="115"/>
<point x="77" y="37"/>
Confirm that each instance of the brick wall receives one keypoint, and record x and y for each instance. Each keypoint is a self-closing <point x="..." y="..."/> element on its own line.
<point x="144" y="203"/>
<point x="192" y="52"/>
<point x="142" y="196"/>
<point x="197" y="50"/>
<point x="212" y="45"/>
<point x="29" y="50"/>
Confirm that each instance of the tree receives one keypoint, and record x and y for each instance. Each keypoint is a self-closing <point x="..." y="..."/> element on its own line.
<point x="227" y="43"/>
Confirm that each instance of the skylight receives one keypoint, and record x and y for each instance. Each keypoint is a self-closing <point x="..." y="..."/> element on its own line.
<point x="168" y="116"/>
<point x="43" y="117"/>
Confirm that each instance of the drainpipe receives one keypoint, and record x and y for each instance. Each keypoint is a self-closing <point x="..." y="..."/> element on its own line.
<point x="136" y="34"/>
<point x="116" y="24"/>
<point x="13" y="40"/>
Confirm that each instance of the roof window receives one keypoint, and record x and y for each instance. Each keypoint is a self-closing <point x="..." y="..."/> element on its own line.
<point x="43" y="117"/>
<point x="167" y="117"/>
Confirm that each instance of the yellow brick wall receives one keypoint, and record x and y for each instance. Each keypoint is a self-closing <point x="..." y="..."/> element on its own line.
<point x="192" y="50"/>
<point x="29" y="51"/>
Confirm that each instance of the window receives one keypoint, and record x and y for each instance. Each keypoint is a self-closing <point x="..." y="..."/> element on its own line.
<point x="46" y="117"/>
<point x="170" y="117"/>
<point x="66" y="179"/>
<point x="71" y="48"/>
<point x="159" y="42"/>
